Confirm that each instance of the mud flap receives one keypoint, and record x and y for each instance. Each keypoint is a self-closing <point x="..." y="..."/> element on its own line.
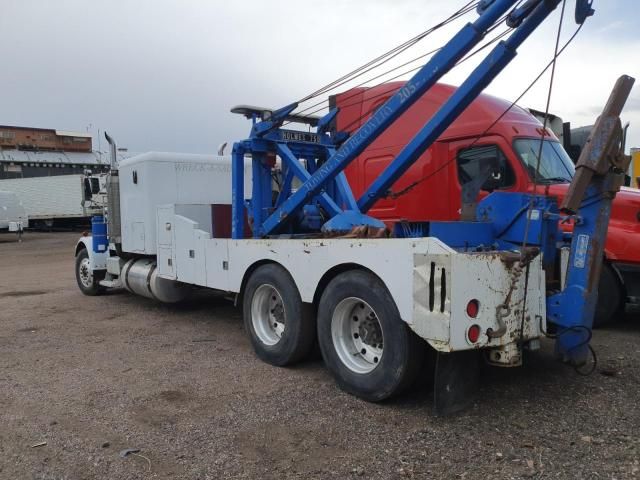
<point x="456" y="381"/>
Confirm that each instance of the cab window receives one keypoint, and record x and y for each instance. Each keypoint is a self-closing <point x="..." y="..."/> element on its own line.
<point x="488" y="160"/>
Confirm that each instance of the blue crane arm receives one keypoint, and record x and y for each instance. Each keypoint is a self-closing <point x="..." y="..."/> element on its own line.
<point x="423" y="80"/>
<point x="481" y="77"/>
<point x="599" y="175"/>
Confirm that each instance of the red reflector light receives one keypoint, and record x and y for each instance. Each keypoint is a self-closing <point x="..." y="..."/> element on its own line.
<point x="473" y="334"/>
<point x="472" y="308"/>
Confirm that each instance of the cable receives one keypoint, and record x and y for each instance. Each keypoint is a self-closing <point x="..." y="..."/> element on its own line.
<point x="546" y="112"/>
<point x="585" y="342"/>
<point x="355" y="94"/>
<point x="369" y="80"/>
<point x="493" y="124"/>
<point x="394" y="88"/>
<point x="535" y="186"/>
<point x="469" y="6"/>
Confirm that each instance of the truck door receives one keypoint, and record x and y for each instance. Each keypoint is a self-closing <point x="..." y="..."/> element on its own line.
<point x="468" y="161"/>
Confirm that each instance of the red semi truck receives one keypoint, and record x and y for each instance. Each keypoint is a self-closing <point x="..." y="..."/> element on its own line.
<point x="432" y="188"/>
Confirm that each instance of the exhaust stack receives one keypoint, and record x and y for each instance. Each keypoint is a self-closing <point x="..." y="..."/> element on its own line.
<point x="113" y="195"/>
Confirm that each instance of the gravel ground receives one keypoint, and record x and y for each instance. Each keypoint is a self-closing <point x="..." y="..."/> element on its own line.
<point x="91" y="376"/>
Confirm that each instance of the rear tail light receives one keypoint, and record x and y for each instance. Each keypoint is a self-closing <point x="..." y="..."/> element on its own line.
<point x="472" y="308"/>
<point x="473" y="334"/>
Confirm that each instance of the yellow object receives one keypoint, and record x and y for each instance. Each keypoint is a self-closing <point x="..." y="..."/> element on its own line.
<point x="635" y="166"/>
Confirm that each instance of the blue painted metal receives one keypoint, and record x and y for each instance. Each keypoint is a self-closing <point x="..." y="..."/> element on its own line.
<point x="348" y="219"/>
<point x="481" y="77"/>
<point x="99" y="234"/>
<point x="573" y="308"/>
<point x="505" y="221"/>
<point x="522" y="219"/>
<point x="441" y="63"/>
<point x="583" y="10"/>
<point x="237" y="192"/>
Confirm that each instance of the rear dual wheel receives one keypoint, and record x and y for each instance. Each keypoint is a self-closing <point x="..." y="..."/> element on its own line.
<point x="369" y="350"/>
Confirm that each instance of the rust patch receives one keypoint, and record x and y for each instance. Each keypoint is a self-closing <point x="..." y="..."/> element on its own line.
<point x="363" y="231"/>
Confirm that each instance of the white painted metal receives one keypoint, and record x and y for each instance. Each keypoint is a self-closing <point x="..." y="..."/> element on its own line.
<point x="153" y="179"/>
<point x="168" y="213"/>
<point x="98" y="260"/>
<point x="85" y="273"/>
<point x="267" y="314"/>
<point x="357" y="335"/>
<point x="13" y="216"/>
<point x="47" y="198"/>
<point x="404" y="265"/>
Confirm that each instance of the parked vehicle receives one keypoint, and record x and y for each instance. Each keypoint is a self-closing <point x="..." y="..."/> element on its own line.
<point x="54" y="201"/>
<point x="13" y="217"/>
<point x="432" y="188"/>
<point x="307" y="262"/>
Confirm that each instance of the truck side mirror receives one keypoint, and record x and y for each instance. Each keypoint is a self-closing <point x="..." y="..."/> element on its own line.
<point x="88" y="193"/>
<point x="95" y="185"/>
<point x="493" y="182"/>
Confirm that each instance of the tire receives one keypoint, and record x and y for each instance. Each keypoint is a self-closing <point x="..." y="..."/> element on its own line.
<point x="376" y="356"/>
<point x="610" y="297"/>
<point x="88" y="281"/>
<point x="280" y="325"/>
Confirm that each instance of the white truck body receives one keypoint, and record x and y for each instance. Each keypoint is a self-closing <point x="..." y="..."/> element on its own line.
<point x="12" y="213"/>
<point x="48" y="198"/>
<point x="167" y="203"/>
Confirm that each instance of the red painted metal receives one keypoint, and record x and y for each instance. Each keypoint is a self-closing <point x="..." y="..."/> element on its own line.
<point x="439" y="197"/>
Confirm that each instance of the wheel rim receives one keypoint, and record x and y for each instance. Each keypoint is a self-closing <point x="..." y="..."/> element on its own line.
<point x="357" y="335"/>
<point x="267" y="314"/>
<point x="84" y="272"/>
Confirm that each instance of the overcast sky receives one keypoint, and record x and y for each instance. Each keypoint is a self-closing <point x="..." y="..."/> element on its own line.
<point x="163" y="74"/>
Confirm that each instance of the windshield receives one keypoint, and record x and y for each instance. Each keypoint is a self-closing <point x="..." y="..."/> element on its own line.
<point x="555" y="164"/>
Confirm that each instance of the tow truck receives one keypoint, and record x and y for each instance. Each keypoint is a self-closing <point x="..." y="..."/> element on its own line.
<point x="307" y="263"/>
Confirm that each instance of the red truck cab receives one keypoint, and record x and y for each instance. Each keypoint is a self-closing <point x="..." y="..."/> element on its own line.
<point x="432" y="188"/>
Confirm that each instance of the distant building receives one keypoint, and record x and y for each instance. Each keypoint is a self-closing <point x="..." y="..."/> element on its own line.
<point x="43" y="139"/>
<point x="40" y="152"/>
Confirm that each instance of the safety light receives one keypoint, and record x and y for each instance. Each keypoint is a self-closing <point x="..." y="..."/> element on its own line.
<point x="473" y="334"/>
<point x="472" y="308"/>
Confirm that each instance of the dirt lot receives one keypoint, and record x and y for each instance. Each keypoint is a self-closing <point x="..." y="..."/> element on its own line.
<point x="91" y="376"/>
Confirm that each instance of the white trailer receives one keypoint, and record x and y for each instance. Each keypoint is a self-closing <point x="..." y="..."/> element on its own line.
<point x="13" y="217"/>
<point x="368" y="301"/>
<point x="50" y="199"/>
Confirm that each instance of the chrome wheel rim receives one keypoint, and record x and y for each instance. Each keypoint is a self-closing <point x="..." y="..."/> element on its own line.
<point x="85" y="274"/>
<point x="267" y="314"/>
<point x="357" y="335"/>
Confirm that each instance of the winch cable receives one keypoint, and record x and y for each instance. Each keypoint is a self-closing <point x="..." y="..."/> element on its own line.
<point x="414" y="184"/>
<point x="420" y="57"/>
<point x="530" y="209"/>
<point x="391" y="53"/>
<point x="394" y="88"/>
<point x="385" y="57"/>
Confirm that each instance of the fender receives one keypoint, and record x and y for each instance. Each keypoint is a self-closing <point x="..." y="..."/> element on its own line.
<point x="98" y="260"/>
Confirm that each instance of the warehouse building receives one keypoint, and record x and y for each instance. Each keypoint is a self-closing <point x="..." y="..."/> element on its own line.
<point x="39" y="152"/>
